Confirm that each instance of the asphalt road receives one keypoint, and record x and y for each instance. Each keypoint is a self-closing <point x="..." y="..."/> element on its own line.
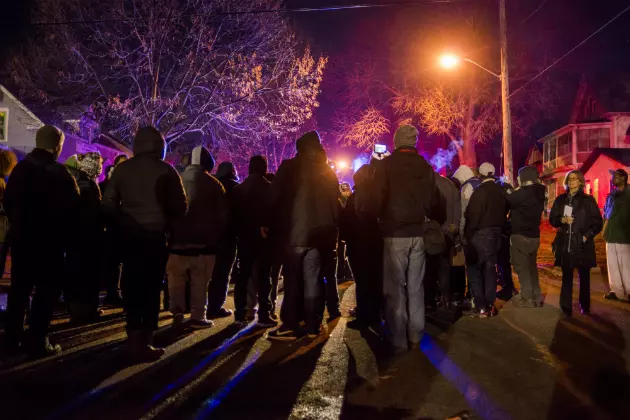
<point x="523" y="364"/>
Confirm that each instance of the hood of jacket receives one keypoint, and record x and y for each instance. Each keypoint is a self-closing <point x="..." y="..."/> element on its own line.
<point x="363" y="176"/>
<point x="202" y="157"/>
<point x="226" y="170"/>
<point x="149" y="141"/>
<point x="463" y="174"/>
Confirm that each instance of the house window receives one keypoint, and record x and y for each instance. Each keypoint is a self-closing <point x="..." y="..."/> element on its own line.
<point x="550" y="154"/>
<point x="4" y="124"/>
<point x="589" y="139"/>
<point x="565" y="154"/>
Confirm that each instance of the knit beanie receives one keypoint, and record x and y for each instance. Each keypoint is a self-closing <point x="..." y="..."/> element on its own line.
<point x="527" y="174"/>
<point x="309" y="142"/>
<point x="49" y="137"/>
<point x="92" y="164"/>
<point x="406" y="136"/>
<point x="258" y="165"/>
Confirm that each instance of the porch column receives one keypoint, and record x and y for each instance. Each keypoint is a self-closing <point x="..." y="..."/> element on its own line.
<point x="574" y="146"/>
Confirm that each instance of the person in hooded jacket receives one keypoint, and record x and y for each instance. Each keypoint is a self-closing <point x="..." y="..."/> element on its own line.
<point x="195" y="240"/>
<point x="42" y="203"/>
<point x="276" y="266"/>
<point x="405" y="192"/>
<point x="251" y="199"/>
<point x="527" y="202"/>
<point x="485" y="218"/>
<point x="303" y="215"/>
<point x="468" y="182"/>
<point x="144" y="199"/>
<point x="224" y="266"/>
<point x="83" y="257"/>
<point x="578" y="220"/>
<point x="8" y="160"/>
<point x="359" y="228"/>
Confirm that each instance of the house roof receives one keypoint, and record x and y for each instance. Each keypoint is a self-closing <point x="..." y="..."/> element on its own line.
<point x="21" y="105"/>
<point x="620" y="155"/>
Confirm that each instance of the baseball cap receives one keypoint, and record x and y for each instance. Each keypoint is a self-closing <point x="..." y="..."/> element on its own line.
<point x="487" y="169"/>
<point x="620" y="172"/>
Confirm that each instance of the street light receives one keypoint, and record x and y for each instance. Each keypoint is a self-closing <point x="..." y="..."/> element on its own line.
<point x="450" y="61"/>
<point x="342" y="165"/>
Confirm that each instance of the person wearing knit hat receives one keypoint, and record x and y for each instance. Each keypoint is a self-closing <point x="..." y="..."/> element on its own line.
<point x="406" y="136"/>
<point x="145" y="198"/>
<point x="526" y="203"/>
<point x="50" y="138"/>
<point x="253" y="249"/>
<point x="484" y="225"/>
<point x="405" y="192"/>
<point x="42" y="204"/>
<point x="92" y="164"/>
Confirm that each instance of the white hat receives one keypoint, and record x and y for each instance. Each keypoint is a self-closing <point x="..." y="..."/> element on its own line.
<point x="486" y="169"/>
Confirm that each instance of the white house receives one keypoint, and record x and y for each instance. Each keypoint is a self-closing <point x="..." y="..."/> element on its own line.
<point x="17" y="123"/>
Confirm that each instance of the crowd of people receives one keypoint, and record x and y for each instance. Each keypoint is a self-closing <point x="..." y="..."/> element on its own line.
<point x="415" y="240"/>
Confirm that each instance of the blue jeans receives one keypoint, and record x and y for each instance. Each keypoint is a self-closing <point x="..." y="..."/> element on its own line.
<point x="403" y="271"/>
<point x="481" y="262"/>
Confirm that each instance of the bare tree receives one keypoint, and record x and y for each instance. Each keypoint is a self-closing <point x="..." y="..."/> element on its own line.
<point x="192" y="68"/>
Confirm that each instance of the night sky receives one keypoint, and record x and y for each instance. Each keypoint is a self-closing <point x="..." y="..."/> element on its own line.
<point x="413" y="35"/>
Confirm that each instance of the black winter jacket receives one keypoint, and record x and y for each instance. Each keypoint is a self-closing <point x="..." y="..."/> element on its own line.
<point x="305" y="204"/>
<point x="200" y="230"/>
<point x="91" y="219"/>
<point x="569" y="246"/>
<point x="251" y="201"/>
<point x="145" y="195"/>
<point x="42" y="203"/>
<point x="526" y="206"/>
<point x="405" y="193"/>
<point x="487" y="208"/>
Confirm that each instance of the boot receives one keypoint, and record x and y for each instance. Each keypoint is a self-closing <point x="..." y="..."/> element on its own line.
<point x="141" y="348"/>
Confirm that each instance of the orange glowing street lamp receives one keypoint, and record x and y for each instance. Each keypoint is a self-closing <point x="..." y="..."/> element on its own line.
<point x="449" y="61"/>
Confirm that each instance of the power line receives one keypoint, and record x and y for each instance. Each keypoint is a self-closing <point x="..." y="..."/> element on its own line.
<point x="570" y="51"/>
<point x="260" y="11"/>
<point x="534" y="12"/>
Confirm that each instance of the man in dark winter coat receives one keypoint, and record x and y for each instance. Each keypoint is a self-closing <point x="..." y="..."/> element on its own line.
<point x="485" y="217"/>
<point x="251" y="199"/>
<point x="405" y="190"/>
<point x="83" y="257"/>
<point x="195" y="239"/>
<point x="304" y="215"/>
<point x="42" y="203"/>
<point x="527" y="202"/>
<point x="359" y="228"/>
<point x="144" y="199"/>
<point x="504" y="266"/>
<point x="226" y="254"/>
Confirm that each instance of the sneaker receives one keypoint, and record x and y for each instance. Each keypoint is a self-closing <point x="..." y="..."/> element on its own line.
<point x="586" y="311"/>
<point x="484" y="313"/>
<point x="44" y="349"/>
<point x="149" y="354"/>
<point x="493" y="311"/>
<point x="353" y="311"/>
<point x="178" y="320"/>
<point x="266" y="322"/>
<point x="240" y="321"/>
<point x="611" y="296"/>
<point x="221" y="313"/>
<point x="283" y="334"/>
<point x="199" y="324"/>
<point x="314" y="333"/>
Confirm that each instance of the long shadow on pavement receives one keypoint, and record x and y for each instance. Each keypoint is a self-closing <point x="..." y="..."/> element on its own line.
<point x="592" y="381"/>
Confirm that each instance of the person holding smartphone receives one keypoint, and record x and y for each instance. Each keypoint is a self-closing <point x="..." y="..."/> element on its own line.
<point x="578" y="220"/>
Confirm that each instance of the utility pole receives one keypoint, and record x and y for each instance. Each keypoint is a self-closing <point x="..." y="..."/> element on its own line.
<point x="505" y="101"/>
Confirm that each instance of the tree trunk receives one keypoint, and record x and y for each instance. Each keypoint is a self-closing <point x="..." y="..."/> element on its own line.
<point x="469" y="154"/>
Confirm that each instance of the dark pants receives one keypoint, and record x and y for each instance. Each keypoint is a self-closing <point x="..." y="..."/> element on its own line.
<point x="111" y="266"/>
<point x="4" y="251"/>
<point x="403" y="274"/>
<point x="366" y="263"/>
<point x="328" y="275"/>
<point x="254" y="261"/>
<point x="218" y="288"/>
<point x="145" y="261"/>
<point x="83" y="283"/>
<point x="438" y="278"/>
<point x="303" y="288"/>
<point x="40" y="268"/>
<point x="524" y="251"/>
<point x="503" y="263"/>
<point x="566" y="292"/>
<point x="481" y="261"/>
